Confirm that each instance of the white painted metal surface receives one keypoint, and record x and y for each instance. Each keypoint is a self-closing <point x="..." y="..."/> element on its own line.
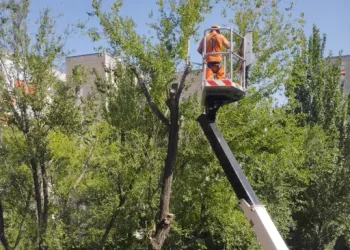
<point x="264" y="228"/>
<point x="248" y="48"/>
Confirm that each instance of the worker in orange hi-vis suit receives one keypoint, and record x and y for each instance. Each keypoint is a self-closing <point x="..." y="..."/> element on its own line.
<point x="214" y="43"/>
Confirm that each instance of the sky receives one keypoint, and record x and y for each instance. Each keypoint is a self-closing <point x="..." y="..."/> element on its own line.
<point x="331" y="17"/>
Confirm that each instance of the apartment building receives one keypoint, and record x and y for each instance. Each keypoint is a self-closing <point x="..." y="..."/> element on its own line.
<point x="99" y="61"/>
<point x="345" y="73"/>
<point x="95" y="61"/>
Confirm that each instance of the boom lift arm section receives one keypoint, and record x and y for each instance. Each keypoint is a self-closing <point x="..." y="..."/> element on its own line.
<point x="263" y="226"/>
<point x="228" y="162"/>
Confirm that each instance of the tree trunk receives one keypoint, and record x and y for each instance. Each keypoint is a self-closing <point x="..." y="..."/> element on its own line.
<point x="46" y="196"/>
<point x="43" y="227"/>
<point x="165" y="217"/>
<point x="111" y="222"/>
<point x="41" y="213"/>
<point x="3" y="238"/>
<point x="37" y="192"/>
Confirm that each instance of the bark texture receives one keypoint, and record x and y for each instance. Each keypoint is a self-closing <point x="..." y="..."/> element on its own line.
<point x="165" y="219"/>
<point x="3" y="238"/>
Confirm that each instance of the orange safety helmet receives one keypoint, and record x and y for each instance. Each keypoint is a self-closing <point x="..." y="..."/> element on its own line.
<point x="215" y="26"/>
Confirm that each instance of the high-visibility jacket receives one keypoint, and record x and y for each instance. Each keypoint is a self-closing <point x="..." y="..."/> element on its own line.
<point x="214" y="43"/>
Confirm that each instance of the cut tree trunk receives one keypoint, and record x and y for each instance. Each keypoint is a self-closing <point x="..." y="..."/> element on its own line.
<point x="163" y="225"/>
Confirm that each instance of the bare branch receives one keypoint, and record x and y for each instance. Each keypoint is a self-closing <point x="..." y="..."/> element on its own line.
<point x="79" y="179"/>
<point x="85" y="168"/>
<point x="150" y="101"/>
<point x="182" y="82"/>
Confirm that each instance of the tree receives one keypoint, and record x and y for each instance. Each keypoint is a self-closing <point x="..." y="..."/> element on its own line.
<point x="107" y="176"/>
<point x="34" y="102"/>
<point x="139" y="138"/>
<point x="154" y="66"/>
<point x="316" y="97"/>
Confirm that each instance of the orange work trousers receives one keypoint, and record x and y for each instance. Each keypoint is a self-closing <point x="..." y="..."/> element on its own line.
<point x="214" y="68"/>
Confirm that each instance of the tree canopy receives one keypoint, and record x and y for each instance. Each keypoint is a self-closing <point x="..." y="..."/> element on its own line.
<point x="129" y="168"/>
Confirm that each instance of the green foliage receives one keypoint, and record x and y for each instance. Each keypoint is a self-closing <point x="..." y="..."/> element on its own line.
<point x="34" y="101"/>
<point x="269" y="151"/>
<point x="315" y="84"/>
<point x="274" y="33"/>
<point x="88" y="176"/>
<point x="316" y="99"/>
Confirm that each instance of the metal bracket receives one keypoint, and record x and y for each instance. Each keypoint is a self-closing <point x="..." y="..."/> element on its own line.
<point x="211" y="107"/>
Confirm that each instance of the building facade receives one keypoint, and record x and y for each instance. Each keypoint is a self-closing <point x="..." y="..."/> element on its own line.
<point x="345" y="73"/>
<point x="99" y="61"/>
<point x="96" y="61"/>
<point x="193" y="84"/>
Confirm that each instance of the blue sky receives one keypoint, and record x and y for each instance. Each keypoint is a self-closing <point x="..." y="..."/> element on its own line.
<point x="331" y="16"/>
